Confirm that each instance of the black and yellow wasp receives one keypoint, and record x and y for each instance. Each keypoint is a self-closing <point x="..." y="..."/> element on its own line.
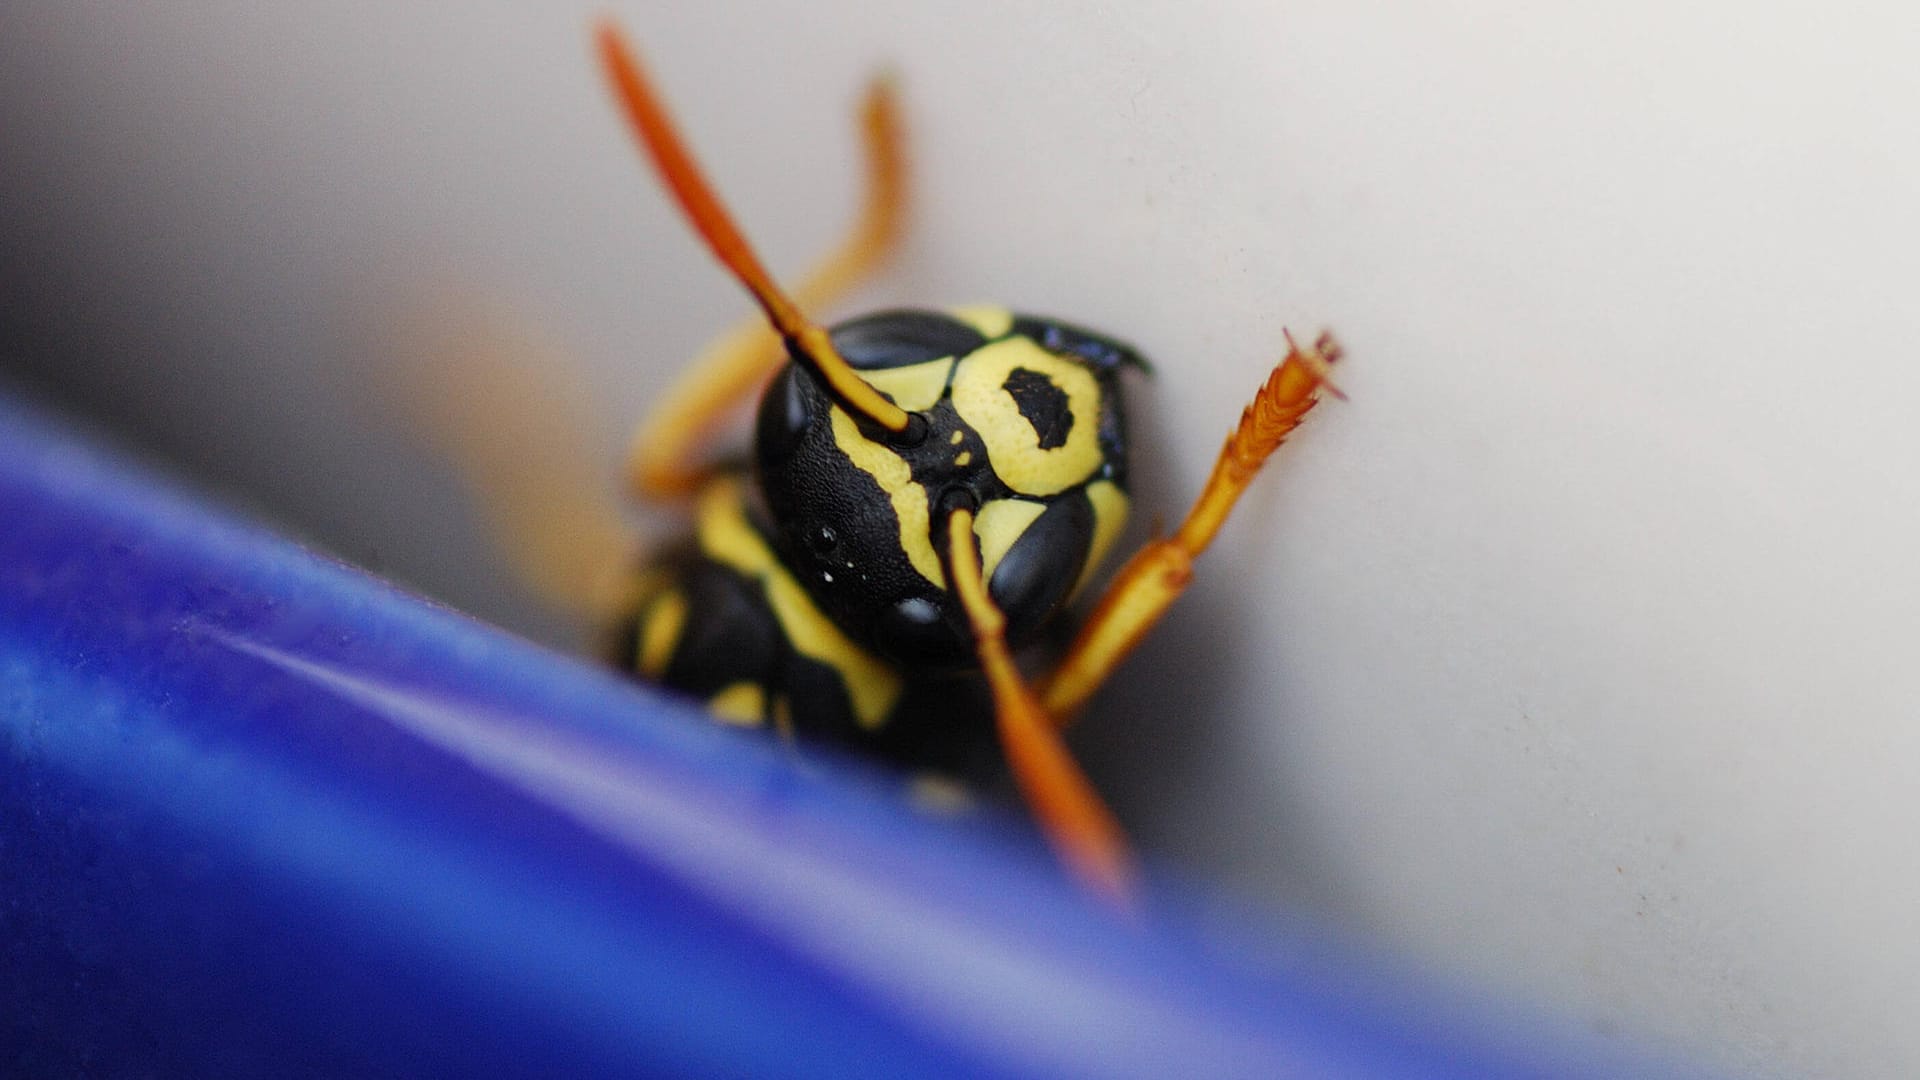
<point x="927" y="492"/>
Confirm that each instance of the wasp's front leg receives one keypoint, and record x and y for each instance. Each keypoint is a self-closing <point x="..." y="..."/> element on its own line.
<point x="1143" y="590"/>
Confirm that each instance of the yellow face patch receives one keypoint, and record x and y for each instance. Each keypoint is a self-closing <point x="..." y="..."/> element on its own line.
<point x="909" y="499"/>
<point x="915" y="387"/>
<point x="728" y="538"/>
<point x="998" y="525"/>
<point x="982" y="400"/>
<point x="1109" y="518"/>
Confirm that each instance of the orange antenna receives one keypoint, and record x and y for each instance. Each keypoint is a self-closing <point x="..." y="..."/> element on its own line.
<point x="808" y="340"/>
<point x="1081" y="829"/>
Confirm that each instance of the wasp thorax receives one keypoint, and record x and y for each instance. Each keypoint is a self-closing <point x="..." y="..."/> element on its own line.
<point x="1020" y="419"/>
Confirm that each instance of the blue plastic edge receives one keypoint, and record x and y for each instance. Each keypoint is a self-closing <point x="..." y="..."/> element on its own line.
<point x="262" y="814"/>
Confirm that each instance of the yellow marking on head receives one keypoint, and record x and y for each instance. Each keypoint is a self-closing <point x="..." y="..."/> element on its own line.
<point x="741" y="703"/>
<point x="1012" y="444"/>
<point x="991" y="320"/>
<point x="660" y="629"/>
<point x="958" y="437"/>
<point x="909" y="499"/>
<point x="964" y="457"/>
<point x="728" y="538"/>
<point x="1109" y="518"/>
<point x="999" y="523"/>
<point x="915" y="387"/>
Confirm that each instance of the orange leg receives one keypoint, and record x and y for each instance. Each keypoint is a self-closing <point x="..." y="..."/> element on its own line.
<point x="663" y="460"/>
<point x="1159" y="573"/>
<point x="1078" y="824"/>
<point x="493" y="399"/>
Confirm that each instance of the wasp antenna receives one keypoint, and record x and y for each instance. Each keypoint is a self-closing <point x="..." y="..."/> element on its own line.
<point x="1076" y="822"/>
<point x="1318" y="360"/>
<point x="808" y="340"/>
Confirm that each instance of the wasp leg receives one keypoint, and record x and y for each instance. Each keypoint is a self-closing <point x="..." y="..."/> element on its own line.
<point x="1159" y="572"/>
<point x="1077" y="823"/>
<point x="495" y="401"/>
<point x="513" y="429"/>
<point x="662" y="460"/>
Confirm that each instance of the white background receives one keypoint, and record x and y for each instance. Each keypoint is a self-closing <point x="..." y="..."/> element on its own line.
<point x="1574" y="655"/>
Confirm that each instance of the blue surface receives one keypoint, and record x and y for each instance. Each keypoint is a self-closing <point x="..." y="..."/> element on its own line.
<point x="262" y="814"/>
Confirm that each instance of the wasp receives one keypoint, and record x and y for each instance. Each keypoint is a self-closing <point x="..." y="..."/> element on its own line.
<point x="927" y="493"/>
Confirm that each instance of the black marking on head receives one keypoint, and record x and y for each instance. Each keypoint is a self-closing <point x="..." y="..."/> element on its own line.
<point x="1043" y="404"/>
<point x="891" y="339"/>
<point x="1107" y="358"/>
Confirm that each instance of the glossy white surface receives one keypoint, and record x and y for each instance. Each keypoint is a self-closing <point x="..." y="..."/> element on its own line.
<point x="1573" y="654"/>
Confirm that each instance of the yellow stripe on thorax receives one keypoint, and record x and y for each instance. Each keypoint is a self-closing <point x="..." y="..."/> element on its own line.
<point x="660" y="628"/>
<point x="743" y="703"/>
<point x="728" y="538"/>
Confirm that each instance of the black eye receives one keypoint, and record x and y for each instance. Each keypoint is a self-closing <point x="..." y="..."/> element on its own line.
<point x="897" y="338"/>
<point x="786" y="414"/>
<point x="799" y="410"/>
<point x="822" y="540"/>
<point x="1036" y="574"/>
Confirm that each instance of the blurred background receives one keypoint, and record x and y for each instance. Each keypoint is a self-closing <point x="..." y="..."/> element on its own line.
<point x="1574" y="656"/>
